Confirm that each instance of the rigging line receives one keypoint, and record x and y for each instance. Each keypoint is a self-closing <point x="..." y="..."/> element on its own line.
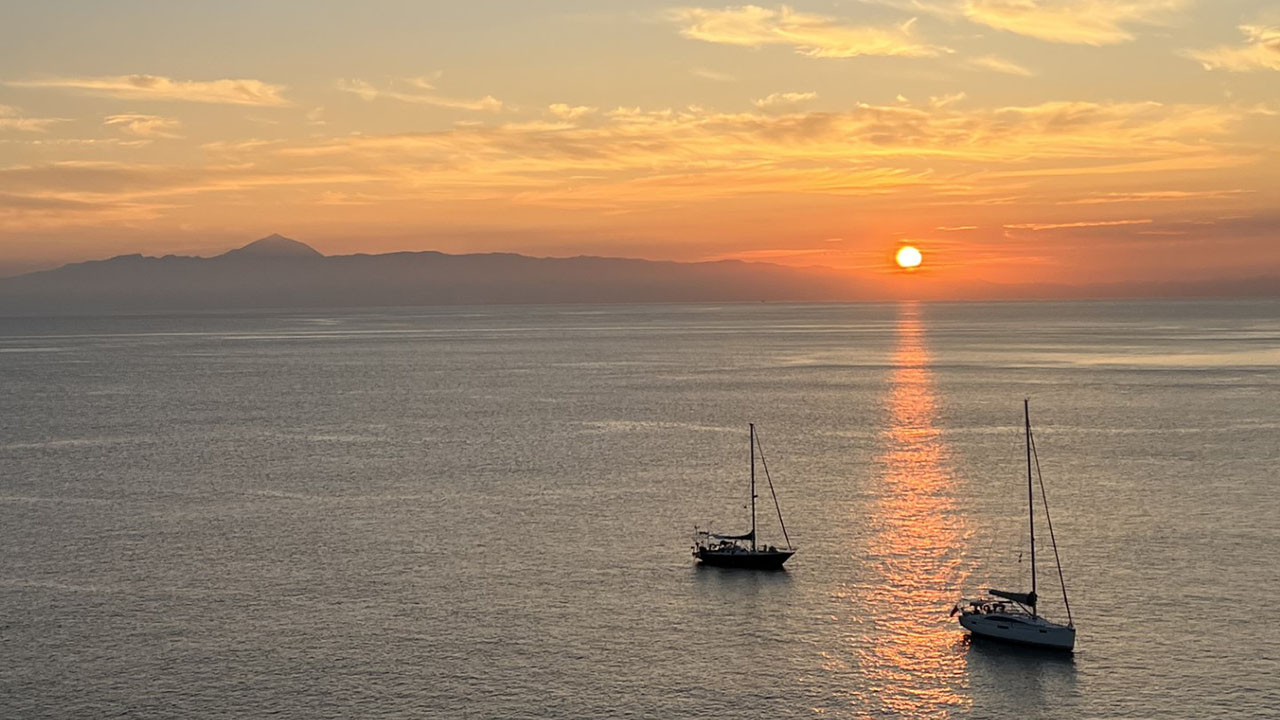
<point x="1062" y="582"/>
<point x="776" y="506"/>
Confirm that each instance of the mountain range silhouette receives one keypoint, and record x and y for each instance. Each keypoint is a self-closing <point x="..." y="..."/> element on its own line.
<point x="279" y="272"/>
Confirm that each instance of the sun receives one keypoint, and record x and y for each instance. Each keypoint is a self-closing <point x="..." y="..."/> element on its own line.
<point x="908" y="257"/>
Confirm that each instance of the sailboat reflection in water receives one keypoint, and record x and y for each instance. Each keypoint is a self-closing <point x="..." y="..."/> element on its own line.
<point x="1013" y="617"/>
<point x="742" y="551"/>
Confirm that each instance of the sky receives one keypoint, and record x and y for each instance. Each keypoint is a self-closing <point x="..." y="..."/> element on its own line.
<point x="1063" y="141"/>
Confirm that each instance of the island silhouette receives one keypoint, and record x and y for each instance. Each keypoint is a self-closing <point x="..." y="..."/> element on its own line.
<point x="280" y="272"/>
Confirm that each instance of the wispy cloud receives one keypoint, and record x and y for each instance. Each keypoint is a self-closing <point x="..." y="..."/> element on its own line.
<point x="145" y="126"/>
<point x="714" y="75"/>
<point x="68" y="193"/>
<point x="781" y="255"/>
<point x="1261" y="51"/>
<point x="238" y="91"/>
<point x="1080" y="224"/>
<point x="1140" y="197"/>
<point x="636" y="156"/>
<point x="12" y="119"/>
<point x="813" y="35"/>
<point x="1086" y="22"/>
<point x="420" y="93"/>
<point x="938" y="153"/>
<point x="997" y="64"/>
<point x="784" y="99"/>
<point x="571" y="113"/>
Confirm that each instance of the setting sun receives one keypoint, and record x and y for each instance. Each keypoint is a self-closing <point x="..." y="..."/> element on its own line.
<point x="908" y="257"/>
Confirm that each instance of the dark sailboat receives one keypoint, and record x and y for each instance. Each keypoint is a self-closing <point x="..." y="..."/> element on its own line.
<point x="742" y="551"/>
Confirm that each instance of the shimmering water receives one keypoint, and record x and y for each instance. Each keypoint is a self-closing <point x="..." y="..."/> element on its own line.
<point x="486" y="512"/>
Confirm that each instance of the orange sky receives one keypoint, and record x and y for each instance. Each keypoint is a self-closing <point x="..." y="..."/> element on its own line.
<point x="1061" y="141"/>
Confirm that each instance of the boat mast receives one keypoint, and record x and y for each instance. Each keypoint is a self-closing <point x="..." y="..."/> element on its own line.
<point x="753" y="486"/>
<point x="1031" y="508"/>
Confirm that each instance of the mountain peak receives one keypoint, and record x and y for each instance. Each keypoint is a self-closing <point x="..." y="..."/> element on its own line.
<point x="274" y="246"/>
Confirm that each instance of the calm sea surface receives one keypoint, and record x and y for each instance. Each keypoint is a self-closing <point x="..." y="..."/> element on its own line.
<point x="486" y="512"/>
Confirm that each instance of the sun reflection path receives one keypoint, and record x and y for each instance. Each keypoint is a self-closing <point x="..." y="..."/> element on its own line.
<point x="914" y="655"/>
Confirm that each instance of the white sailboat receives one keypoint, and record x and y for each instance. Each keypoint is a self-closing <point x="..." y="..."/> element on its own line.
<point x="1013" y="617"/>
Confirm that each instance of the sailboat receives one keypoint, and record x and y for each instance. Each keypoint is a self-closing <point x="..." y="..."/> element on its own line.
<point x="742" y="551"/>
<point x="1013" y="616"/>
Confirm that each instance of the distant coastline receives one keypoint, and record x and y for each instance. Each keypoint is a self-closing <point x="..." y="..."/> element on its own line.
<point x="281" y="273"/>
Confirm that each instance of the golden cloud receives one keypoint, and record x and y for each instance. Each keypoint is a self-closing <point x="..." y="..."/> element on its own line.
<point x="368" y="92"/>
<point x="1148" y="196"/>
<point x="784" y="99"/>
<point x="1081" y="224"/>
<point x="238" y="91"/>
<point x="816" y="36"/>
<point x="997" y="64"/>
<point x="939" y="153"/>
<point x="568" y="112"/>
<point x="1085" y="22"/>
<point x="1261" y="51"/>
<point x="146" y="126"/>
<point x="713" y="75"/>
<point x="11" y="119"/>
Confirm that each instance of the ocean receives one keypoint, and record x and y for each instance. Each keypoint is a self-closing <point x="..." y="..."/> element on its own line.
<point x="486" y="512"/>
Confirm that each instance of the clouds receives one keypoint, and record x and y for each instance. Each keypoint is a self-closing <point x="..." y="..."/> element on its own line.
<point x="784" y="100"/>
<point x="1086" y="22"/>
<point x="998" y="64"/>
<point x="813" y="35"/>
<point x="420" y="92"/>
<point x="636" y="156"/>
<point x="145" y="126"/>
<point x="1083" y="22"/>
<point x="1152" y="195"/>
<point x="12" y="119"/>
<point x="1078" y="224"/>
<point x="1261" y="51"/>
<point x="570" y="113"/>
<point x="713" y="75"/>
<point x="1078" y="22"/>
<point x="71" y="193"/>
<point x="238" y="91"/>
<point x="940" y="153"/>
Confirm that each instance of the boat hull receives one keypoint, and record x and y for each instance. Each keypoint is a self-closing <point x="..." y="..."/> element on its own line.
<point x="747" y="559"/>
<point x="1022" y="630"/>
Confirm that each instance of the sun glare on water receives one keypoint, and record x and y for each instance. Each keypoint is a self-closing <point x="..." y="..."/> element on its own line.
<point x="908" y="257"/>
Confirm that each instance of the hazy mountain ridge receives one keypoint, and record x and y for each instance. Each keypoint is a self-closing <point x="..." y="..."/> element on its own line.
<point x="277" y="272"/>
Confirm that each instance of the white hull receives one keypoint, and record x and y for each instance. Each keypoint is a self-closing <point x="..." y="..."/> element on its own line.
<point x="1019" y="628"/>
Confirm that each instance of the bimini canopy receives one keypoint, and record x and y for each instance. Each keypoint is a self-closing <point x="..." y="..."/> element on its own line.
<point x="1024" y="598"/>
<point x="746" y="536"/>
